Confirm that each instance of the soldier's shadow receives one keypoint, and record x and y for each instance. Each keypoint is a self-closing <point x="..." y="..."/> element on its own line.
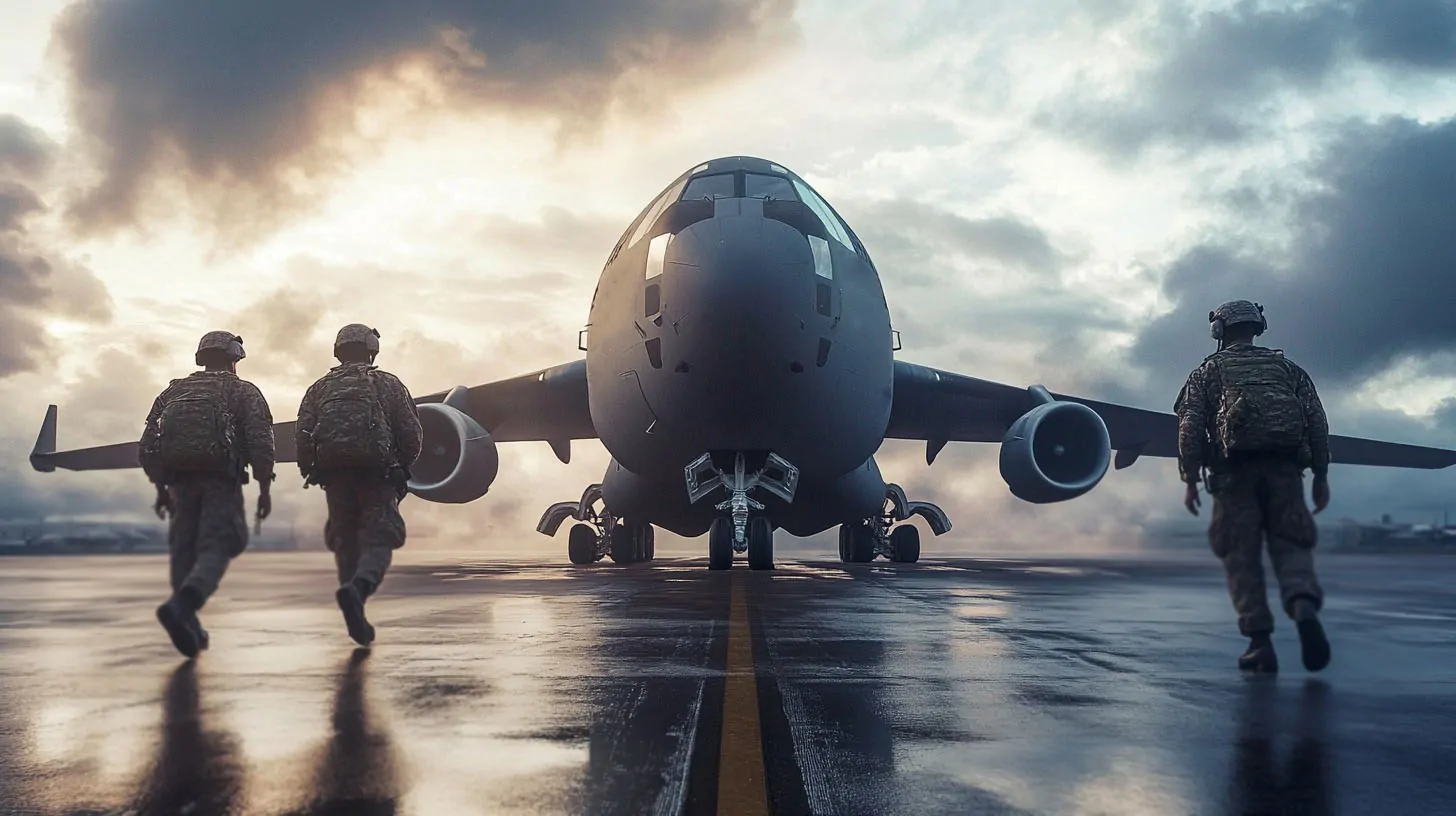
<point x="1302" y="784"/>
<point x="358" y="770"/>
<point x="197" y="769"/>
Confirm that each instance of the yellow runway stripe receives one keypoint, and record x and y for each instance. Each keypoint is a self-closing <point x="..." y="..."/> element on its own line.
<point x="742" y="785"/>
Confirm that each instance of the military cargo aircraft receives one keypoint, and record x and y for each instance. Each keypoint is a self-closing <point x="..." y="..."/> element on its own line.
<point x="739" y="368"/>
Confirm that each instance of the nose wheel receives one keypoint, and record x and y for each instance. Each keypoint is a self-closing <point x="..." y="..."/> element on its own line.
<point x="757" y="543"/>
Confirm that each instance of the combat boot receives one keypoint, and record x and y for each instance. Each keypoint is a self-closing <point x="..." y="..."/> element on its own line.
<point x="202" y="639"/>
<point x="1314" y="646"/>
<point x="351" y="602"/>
<point x="1259" y="657"/>
<point x="179" y="619"/>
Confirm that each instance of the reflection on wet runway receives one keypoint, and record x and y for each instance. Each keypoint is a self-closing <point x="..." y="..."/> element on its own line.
<point x="953" y="686"/>
<point x="198" y="763"/>
<point x="1270" y="776"/>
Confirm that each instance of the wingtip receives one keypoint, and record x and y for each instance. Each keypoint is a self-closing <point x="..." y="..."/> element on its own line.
<point x="45" y="443"/>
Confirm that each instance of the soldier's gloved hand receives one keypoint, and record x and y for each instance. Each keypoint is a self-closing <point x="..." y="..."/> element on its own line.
<point x="265" y="505"/>
<point x="1190" y="498"/>
<point x="1321" y="490"/>
<point x="163" y="507"/>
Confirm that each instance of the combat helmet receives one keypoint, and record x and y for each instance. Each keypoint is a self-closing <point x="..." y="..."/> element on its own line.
<point x="357" y="333"/>
<point x="224" y="341"/>
<point x="1233" y="313"/>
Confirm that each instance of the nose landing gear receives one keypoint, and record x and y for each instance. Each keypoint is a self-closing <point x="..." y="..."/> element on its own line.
<point x="741" y="530"/>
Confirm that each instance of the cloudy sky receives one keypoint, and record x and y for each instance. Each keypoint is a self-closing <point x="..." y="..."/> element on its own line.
<point x="1055" y="192"/>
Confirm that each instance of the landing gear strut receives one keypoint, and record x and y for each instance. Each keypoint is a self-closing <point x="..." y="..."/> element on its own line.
<point x="862" y="541"/>
<point x="741" y="530"/>
<point x="599" y="533"/>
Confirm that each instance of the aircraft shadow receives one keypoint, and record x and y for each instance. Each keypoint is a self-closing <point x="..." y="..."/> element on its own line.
<point x="1303" y="784"/>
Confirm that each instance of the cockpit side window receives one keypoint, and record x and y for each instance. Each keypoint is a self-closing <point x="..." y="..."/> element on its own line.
<point x="709" y="187"/>
<point x="654" y="210"/>
<point x="831" y="222"/>
<point x="777" y="188"/>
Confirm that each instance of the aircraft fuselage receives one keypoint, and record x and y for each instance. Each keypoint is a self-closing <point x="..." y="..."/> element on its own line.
<point x="738" y="313"/>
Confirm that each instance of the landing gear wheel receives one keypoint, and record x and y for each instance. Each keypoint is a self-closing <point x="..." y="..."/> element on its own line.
<point x="581" y="544"/>
<point x="844" y="543"/>
<point x="860" y="546"/>
<point x="905" y="544"/>
<point x="649" y="545"/>
<point x="623" y="545"/>
<point x="720" y="544"/>
<point x="760" y="544"/>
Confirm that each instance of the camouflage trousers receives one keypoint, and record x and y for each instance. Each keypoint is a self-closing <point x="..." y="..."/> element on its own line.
<point x="209" y="528"/>
<point x="364" y="527"/>
<point x="1257" y="503"/>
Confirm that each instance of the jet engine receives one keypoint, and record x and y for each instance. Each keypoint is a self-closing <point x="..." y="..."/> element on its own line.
<point x="1055" y="452"/>
<point x="459" y="459"/>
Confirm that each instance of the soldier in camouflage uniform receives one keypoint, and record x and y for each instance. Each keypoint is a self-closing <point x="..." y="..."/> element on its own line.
<point x="358" y="435"/>
<point x="1251" y="419"/>
<point x="198" y="468"/>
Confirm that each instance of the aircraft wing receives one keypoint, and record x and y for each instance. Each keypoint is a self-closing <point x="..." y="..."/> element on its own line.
<point x="549" y="405"/>
<point x="941" y="407"/>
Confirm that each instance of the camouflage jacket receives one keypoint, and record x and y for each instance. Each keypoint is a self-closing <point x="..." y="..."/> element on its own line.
<point x="253" y="424"/>
<point x="394" y="399"/>
<point x="1198" y="403"/>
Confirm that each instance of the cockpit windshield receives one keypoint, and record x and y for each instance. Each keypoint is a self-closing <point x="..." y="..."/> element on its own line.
<point x="836" y="228"/>
<point x="744" y="184"/>
<point x="776" y="188"/>
<point x="709" y="187"/>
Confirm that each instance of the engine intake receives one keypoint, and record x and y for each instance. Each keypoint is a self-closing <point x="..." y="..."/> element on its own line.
<point x="1055" y="452"/>
<point x="459" y="460"/>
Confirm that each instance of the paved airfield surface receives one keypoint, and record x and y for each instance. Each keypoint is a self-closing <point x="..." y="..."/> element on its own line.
<point x="523" y="685"/>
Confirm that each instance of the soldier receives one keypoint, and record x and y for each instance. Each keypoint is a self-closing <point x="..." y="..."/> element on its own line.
<point x="201" y="433"/>
<point x="1252" y="420"/>
<point x="358" y="434"/>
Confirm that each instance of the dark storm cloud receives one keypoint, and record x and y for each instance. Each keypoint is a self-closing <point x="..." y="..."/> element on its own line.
<point x="1417" y="33"/>
<point x="1219" y="73"/>
<point x="1373" y="279"/>
<point x="255" y="92"/>
<point x="24" y="151"/>
<point x="920" y="235"/>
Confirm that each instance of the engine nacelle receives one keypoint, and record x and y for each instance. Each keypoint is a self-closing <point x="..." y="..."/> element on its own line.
<point x="459" y="460"/>
<point x="1055" y="452"/>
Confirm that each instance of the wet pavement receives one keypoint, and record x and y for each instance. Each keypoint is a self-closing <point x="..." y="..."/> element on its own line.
<point x="521" y="685"/>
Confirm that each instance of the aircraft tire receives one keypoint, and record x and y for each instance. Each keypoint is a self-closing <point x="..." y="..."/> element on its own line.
<point x="623" y="545"/>
<point x="844" y="543"/>
<point x="861" y="544"/>
<point x="581" y="544"/>
<point x="905" y="542"/>
<point x="720" y="544"/>
<point x="649" y="542"/>
<point x="760" y="544"/>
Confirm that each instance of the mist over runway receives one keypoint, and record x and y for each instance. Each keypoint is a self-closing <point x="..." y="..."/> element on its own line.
<point x="519" y="684"/>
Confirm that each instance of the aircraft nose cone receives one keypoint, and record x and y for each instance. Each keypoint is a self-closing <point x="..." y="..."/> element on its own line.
<point x="742" y="283"/>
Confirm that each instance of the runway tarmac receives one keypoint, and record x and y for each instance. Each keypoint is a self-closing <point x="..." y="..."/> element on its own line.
<point x="522" y="685"/>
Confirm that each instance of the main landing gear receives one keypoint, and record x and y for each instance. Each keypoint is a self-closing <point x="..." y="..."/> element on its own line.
<point x="598" y="534"/>
<point x="862" y="541"/>
<point x="741" y="531"/>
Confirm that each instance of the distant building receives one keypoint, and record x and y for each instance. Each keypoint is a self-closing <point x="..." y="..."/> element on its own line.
<point x="77" y="537"/>
<point x="1389" y="536"/>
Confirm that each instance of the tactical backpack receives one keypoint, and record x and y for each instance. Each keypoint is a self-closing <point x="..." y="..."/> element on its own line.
<point x="1258" y="409"/>
<point x="194" y="433"/>
<point x="352" y="431"/>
